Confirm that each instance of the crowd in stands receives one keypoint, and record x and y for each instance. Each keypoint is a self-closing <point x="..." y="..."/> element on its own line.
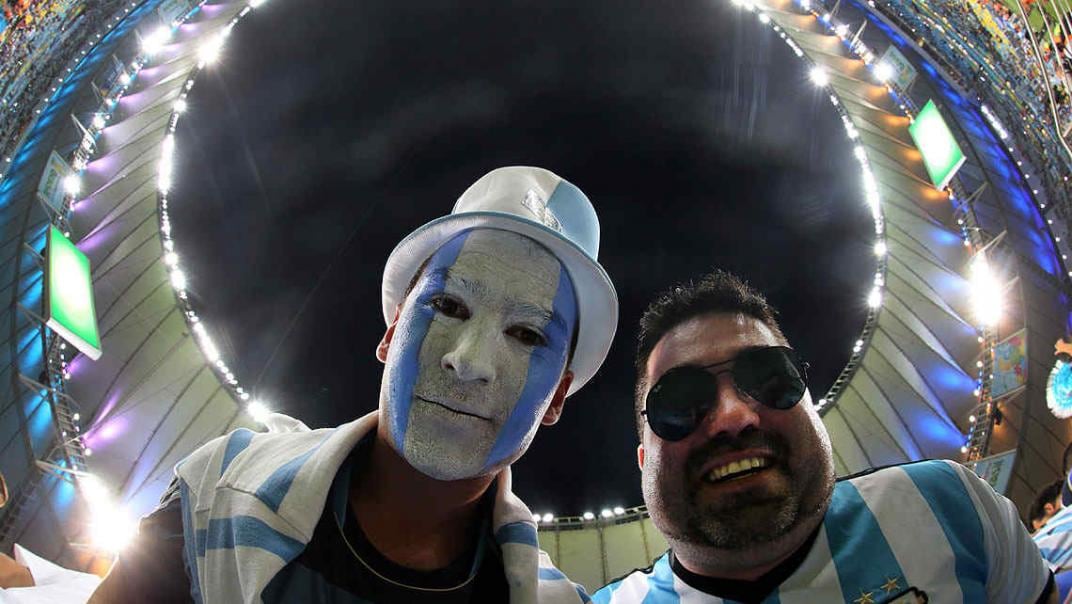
<point x="986" y="47"/>
<point x="38" y="40"/>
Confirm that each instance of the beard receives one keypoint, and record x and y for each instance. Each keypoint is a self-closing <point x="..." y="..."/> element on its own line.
<point x="686" y="512"/>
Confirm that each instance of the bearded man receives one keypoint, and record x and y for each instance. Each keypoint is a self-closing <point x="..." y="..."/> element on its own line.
<point x="495" y="314"/>
<point x="738" y="475"/>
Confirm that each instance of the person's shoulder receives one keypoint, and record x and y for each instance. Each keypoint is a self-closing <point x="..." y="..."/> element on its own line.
<point x="927" y="475"/>
<point x="634" y="585"/>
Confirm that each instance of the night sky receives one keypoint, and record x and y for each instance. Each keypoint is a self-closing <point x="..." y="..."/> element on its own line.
<point x="329" y="130"/>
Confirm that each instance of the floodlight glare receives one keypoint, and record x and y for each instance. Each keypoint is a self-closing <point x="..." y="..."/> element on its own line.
<point x="942" y="156"/>
<point x="606" y="513"/>
<point x="171" y="258"/>
<point x="619" y="510"/>
<point x="180" y="105"/>
<point x="98" y="121"/>
<point x="111" y="528"/>
<point x="548" y="517"/>
<point x="72" y="184"/>
<point x="258" y="410"/>
<point x="883" y="72"/>
<point x="156" y="40"/>
<point x="209" y="53"/>
<point x="986" y="294"/>
<point x="880" y="249"/>
<point x="819" y="76"/>
<point x="70" y="309"/>
<point x="589" y="516"/>
<point x="874" y="299"/>
<point x="178" y="280"/>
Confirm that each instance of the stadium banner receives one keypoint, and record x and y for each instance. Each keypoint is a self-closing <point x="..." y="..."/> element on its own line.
<point x="1010" y="365"/>
<point x="942" y="156"/>
<point x="171" y="11"/>
<point x="903" y="72"/>
<point x="995" y="470"/>
<point x="70" y="311"/>
<point x="50" y="189"/>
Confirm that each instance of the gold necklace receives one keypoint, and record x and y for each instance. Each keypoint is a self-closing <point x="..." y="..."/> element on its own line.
<point x="472" y="572"/>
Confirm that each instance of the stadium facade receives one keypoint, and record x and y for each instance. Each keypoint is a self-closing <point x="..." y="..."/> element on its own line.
<point x="969" y="295"/>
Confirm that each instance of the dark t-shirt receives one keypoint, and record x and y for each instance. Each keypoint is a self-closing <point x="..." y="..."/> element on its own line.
<point x="338" y="566"/>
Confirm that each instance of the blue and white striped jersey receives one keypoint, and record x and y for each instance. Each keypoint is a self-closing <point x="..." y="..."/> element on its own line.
<point x="251" y="502"/>
<point x="1055" y="540"/>
<point x="932" y="525"/>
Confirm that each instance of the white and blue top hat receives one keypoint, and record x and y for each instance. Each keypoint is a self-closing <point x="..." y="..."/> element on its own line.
<point x="540" y="205"/>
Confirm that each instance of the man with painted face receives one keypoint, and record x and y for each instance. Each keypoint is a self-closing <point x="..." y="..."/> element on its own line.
<point x="738" y="475"/>
<point x="495" y="314"/>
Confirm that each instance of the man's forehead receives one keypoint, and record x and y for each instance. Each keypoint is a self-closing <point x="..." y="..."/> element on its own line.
<point x="505" y="266"/>
<point x="707" y="339"/>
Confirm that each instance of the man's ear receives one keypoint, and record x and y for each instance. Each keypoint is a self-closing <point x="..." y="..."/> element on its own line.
<point x="640" y="456"/>
<point x="1049" y="508"/>
<point x="385" y="343"/>
<point x="554" y="410"/>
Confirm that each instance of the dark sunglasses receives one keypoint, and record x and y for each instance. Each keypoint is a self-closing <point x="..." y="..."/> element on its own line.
<point x="773" y="376"/>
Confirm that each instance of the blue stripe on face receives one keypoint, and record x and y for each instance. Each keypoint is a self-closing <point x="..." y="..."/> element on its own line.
<point x="862" y="556"/>
<point x="404" y="375"/>
<point x="545" y="370"/>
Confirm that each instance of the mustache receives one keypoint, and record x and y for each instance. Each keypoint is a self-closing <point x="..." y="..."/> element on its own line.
<point x="721" y="444"/>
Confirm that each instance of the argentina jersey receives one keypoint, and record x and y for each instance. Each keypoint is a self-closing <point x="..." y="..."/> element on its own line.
<point x="1054" y="540"/>
<point x="929" y="529"/>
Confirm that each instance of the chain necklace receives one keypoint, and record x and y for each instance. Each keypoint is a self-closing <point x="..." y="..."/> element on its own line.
<point x="472" y="571"/>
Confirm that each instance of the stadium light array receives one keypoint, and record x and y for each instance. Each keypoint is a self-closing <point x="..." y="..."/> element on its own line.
<point x="986" y="292"/>
<point x="818" y="76"/>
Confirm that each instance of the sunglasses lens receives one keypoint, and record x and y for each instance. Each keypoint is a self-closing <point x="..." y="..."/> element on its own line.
<point x="772" y="376"/>
<point x="679" y="401"/>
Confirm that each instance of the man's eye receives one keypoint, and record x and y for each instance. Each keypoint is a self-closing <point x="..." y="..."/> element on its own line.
<point x="450" y="307"/>
<point x="528" y="337"/>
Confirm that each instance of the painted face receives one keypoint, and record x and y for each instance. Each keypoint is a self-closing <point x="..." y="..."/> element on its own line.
<point x="690" y="499"/>
<point x="478" y="351"/>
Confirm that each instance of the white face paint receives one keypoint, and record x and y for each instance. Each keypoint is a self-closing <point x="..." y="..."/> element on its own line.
<point x="478" y="351"/>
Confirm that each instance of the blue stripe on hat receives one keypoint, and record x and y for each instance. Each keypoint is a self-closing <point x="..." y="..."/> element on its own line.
<point x="192" y="546"/>
<point x="249" y="531"/>
<point x="945" y="493"/>
<point x="544" y="373"/>
<point x="661" y="583"/>
<point x="577" y="217"/>
<point x="408" y="366"/>
<point x="236" y="443"/>
<point x="517" y="532"/>
<point x="581" y="594"/>
<point x="862" y="556"/>
<point x="273" y="490"/>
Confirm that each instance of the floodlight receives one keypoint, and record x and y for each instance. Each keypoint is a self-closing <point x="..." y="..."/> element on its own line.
<point x="880" y="248"/>
<point x="98" y="121"/>
<point x="180" y="105"/>
<point x="72" y="184"/>
<point x="156" y="40"/>
<point x="178" y="279"/>
<point x="548" y="517"/>
<point x="883" y="71"/>
<point x="986" y="292"/>
<point x="112" y="528"/>
<point x="819" y="76"/>
<point x="606" y="513"/>
<point x="589" y="516"/>
<point x="874" y="299"/>
<point x="210" y="51"/>
<point x="258" y="410"/>
<point x="619" y="510"/>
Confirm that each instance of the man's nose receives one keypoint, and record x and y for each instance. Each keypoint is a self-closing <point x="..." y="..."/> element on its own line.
<point x="472" y="357"/>
<point x="733" y="412"/>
